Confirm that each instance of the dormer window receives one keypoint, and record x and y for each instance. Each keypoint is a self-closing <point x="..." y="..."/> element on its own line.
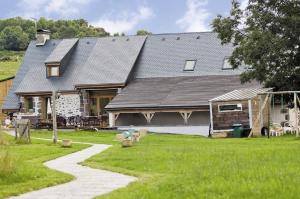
<point x="53" y="71"/>
<point x="189" y="65"/>
<point x="226" y="64"/>
<point x="59" y="58"/>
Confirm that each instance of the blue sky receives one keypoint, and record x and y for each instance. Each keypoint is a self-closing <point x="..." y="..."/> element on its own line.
<point x="128" y="16"/>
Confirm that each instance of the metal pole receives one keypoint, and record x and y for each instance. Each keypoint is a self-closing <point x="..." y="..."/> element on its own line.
<point x="54" y="117"/>
<point x="296" y="114"/>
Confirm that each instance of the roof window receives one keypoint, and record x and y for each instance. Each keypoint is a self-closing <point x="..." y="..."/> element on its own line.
<point x="189" y="65"/>
<point x="226" y="64"/>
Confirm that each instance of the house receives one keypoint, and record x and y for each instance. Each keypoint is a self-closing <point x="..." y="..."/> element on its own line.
<point x="5" y="85"/>
<point x="162" y="82"/>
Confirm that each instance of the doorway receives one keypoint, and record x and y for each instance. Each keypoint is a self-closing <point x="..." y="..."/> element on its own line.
<point x="97" y="105"/>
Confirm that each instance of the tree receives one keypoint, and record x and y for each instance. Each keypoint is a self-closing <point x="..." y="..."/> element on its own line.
<point x="13" y="38"/>
<point x="266" y="36"/>
<point x="143" y="32"/>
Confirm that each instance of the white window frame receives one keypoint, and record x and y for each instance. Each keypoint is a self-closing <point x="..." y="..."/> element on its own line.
<point x="237" y="104"/>
<point x="190" y="60"/>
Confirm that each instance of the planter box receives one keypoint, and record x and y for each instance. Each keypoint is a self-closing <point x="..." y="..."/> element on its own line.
<point x="127" y="142"/>
<point x="143" y="132"/>
<point x="119" y="137"/>
<point x="66" y="143"/>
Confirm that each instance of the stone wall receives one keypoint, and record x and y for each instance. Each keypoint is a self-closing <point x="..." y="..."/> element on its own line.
<point x="68" y="105"/>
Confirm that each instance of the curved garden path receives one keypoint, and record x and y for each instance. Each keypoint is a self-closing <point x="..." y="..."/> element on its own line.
<point x="89" y="182"/>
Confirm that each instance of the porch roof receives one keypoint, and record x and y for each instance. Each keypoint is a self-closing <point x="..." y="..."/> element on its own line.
<point x="175" y="92"/>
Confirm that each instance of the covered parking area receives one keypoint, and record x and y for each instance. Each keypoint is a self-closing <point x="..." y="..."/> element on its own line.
<point x="169" y="102"/>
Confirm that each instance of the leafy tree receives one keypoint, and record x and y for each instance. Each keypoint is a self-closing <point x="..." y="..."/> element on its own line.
<point x="17" y="32"/>
<point x="143" y="32"/>
<point x="266" y="36"/>
<point x="13" y="38"/>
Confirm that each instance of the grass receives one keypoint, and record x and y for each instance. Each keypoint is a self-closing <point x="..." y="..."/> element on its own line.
<point x="9" y="63"/>
<point x="8" y="69"/>
<point x="178" y="166"/>
<point x="171" y="166"/>
<point x="25" y="170"/>
<point x="101" y="137"/>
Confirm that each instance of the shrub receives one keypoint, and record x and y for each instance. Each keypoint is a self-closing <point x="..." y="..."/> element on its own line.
<point x="7" y="164"/>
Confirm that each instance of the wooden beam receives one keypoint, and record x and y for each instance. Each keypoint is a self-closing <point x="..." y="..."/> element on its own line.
<point x="186" y="115"/>
<point x="160" y="110"/>
<point x="279" y="92"/>
<point x="211" y="118"/>
<point x="259" y="113"/>
<point x="116" y="115"/>
<point x="54" y="117"/>
<point x="148" y="116"/>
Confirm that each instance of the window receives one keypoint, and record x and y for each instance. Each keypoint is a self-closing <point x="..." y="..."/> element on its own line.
<point x="29" y="105"/>
<point x="230" y="107"/>
<point x="226" y="64"/>
<point x="189" y="65"/>
<point x="53" y="71"/>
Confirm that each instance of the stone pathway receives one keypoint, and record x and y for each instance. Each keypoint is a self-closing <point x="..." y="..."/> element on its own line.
<point x="89" y="182"/>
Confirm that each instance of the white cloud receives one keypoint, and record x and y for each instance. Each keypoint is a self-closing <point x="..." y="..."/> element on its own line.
<point x="124" y="22"/>
<point x="38" y="8"/>
<point x="196" y="17"/>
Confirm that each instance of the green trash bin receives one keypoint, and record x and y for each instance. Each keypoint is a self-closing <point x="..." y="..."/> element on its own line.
<point x="237" y="130"/>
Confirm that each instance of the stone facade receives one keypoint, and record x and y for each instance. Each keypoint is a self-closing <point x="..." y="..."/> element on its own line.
<point x="68" y="105"/>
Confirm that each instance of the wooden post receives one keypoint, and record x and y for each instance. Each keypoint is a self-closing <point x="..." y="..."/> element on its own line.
<point x="259" y="114"/>
<point x="296" y="114"/>
<point x="148" y="116"/>
<point x="186" y="116"/>
<point x="54" y="117"/>
<point x="211" y="118"/>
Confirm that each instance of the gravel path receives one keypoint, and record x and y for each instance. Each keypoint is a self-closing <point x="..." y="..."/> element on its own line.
<point x="89" y="182"/>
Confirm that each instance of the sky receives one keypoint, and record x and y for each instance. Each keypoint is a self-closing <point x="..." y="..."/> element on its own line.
<point x="128" y="16"/>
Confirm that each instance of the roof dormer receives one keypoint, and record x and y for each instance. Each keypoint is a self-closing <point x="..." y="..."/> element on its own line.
<point x="57" y="61"/>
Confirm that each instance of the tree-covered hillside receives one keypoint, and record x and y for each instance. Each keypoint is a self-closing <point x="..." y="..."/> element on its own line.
<point x="16" y="33"/>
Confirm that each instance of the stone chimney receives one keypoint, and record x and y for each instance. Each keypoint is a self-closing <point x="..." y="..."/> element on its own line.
<point x="42" y="36"/>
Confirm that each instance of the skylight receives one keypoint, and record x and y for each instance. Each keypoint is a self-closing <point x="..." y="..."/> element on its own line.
<point x="226" y="64"/>
<point x="189" y="65"/>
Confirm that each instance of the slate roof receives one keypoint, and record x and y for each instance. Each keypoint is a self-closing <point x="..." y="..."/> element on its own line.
<point x="168" y="92"/>
<point x="112" y="60"/>
<point x="106" y="60"/>
<point x="61" y="50"/>
<point x="164" y="55"/>
<point x="241" y="94"/>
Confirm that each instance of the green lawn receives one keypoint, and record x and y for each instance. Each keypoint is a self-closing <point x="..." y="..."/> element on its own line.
<point x="30" y="174"/>
<point x="177" y="166"/>
<point x="8" y="69"/>
<point x="101" y="137"/>
<point x="173" y="167"/>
